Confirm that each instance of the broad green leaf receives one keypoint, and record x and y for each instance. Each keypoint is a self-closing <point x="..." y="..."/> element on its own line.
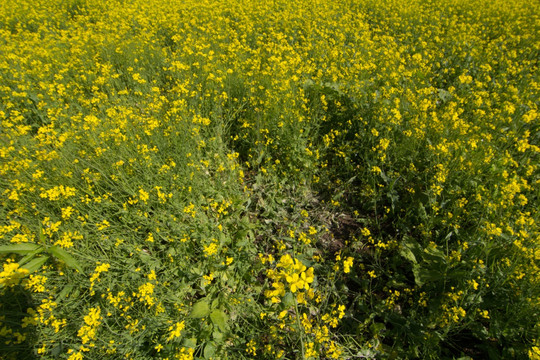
<point x="40" y="234"/>
<point x="422" y="212"/>
<point x="218" y="336"/>
<point x="36" y="264"/>
<point x="434" y="255"/>
<point x="423" y="275"/>
<point x="377" y="328"/>
<point x="419" y="277"/>
<point x="65" y="292"/>
<point x="200" y="309"/>
<point x="209" y="350"/>
<point x="21" y="249"/>
<point x="407" y="254"/>
<point x="242" y="238"/>
<point x="219" y="319"/>
<point x="288" y="299"/>
<point x="215" y="303"/>
<point x="223" y="239"/>
<point x="31" y="255"/>
<point x="65" y="257"/>
<point x="57" y="350"/>
<point x="190" y="343"/>
<point x="444" y="95"/>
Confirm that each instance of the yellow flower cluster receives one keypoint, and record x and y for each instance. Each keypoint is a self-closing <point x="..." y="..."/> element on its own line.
<point x="211" y="249"/>
<point x="347" y="264"/>
<point x="290" y="274"/>
<point x="58" y="192"/>
<point x="12" y="274"/>
<point x="88" y="332"/>
<point x="100" y="268"/>
<point x="36" y="283"/>
<point x="333" y="318"/>
<point x="175" y="331"/>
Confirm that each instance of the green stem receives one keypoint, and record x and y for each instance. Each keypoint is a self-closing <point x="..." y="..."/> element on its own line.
<point x="299" y="328"/>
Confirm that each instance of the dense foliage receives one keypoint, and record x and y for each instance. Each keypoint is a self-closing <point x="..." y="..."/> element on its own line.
<point x="274" y="180"/>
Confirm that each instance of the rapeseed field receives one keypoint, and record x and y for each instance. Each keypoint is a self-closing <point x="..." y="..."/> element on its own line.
<point x="244" y="179"/>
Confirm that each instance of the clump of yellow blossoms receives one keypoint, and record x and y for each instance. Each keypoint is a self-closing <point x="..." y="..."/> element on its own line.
<point x="290" y="274"/>
<point x="12" y="274"/>
<point x="92" y="321"/>
<point x="175" y="331"/>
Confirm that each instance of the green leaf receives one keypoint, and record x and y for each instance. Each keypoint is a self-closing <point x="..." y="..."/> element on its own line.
<point x="200" y="309"/>
<point x="209" y="350"/>
<point x="444" y="95"/>
<point x="215" y="303"/>
<point x="218" y="336"/>
<point x="434" y="255"/>
<point x="41" y="236"/>
<point x="65" y="292"/>
<point x="288" y="299"/>
<point x="31" y="255"/>
<point x="410" y="250"/>
<point x="423" y="275"/>
<point x="57" y="350"/>
<point x="219" y="319"/>
<point x="65" y="257"/>
<point x="407" y="254"/>
<point x="190" y="343"/>
<point x="377" y="328"/>
<point x="21" y="249"/>
<point x="36" y="264"/>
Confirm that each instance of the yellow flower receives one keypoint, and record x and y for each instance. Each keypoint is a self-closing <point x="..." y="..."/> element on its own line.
<point x="175" y="331"/>
<point x="211" y="249"/>
<point x="251" y="348"/>
<point x="12" y="274"/>
<point x="143" y="195"/>
<point x="76" y="356"/>
<point x="347" y="264"/>
<point x="66" y="212"/>
<point x="36" y="283"/>
<point x="92" y="321"/>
